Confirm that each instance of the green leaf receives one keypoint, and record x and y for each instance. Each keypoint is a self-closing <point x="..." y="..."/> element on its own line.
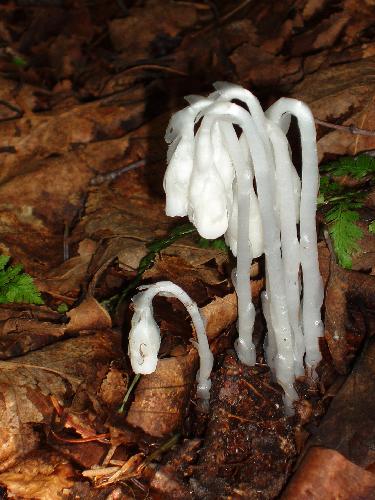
<point x="371" y="227"/>
<point x="19" y="61"/>
<point x="218" y="244"/>
<point x="356" y="167"/>
<point x="344" y="232"/>
<point x="16" y="286"/>
<point x="62" y="308"/>
<point x="342" y="203"/>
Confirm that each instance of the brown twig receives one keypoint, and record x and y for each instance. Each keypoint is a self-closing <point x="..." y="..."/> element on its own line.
<point x="221" y="20"/>
<point x="352" y="129"/>
<point x="253" y="389"/>
<point x="97" y="437"/>
<point x="156" y="67"/>
<point x="18" y="112"/>
<point x="110" y="176"/>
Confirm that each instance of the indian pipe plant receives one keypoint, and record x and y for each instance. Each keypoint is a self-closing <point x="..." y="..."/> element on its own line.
<point x="230" y="171"/>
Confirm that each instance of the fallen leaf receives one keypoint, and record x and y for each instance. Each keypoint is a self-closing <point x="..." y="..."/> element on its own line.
<point x="341" y="94"/>
<point x="41" y="476"/>
<point x="59" y="370"/>
<point x="349" y="424"/>
<point x="220" y="314"/>
<point x="349" y="300"/>
<point x="161" y="397"/>
<point x="327" y="474"/>
<point x="89" y="315"/>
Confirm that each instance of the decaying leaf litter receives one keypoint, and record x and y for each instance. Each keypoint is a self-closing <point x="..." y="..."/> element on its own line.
<point x="86" y="93"/>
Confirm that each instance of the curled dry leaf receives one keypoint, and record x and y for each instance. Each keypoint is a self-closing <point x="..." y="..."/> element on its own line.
<point x="69" y="277"/>
<point x="20" y="335"/>
<point x="172" y="266"/>
<point x="113" y="387"/>
<point x="89" y="315"/>
<point x="349" y="302"/>
<point x="220" y="314"/>
<point x="42" y="475"/>
<point x="328" y="474"/>
<point x="349" y="424"/>
<point x="27" y="328"/>
<point x="161" y="398"/>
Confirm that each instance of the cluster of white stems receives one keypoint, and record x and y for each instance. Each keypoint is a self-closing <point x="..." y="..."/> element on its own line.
<point x="230" y="171"/>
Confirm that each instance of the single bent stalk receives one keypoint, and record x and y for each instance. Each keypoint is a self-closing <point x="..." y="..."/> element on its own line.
<point x="144" y="336"/>
<point x="312" y="281"/>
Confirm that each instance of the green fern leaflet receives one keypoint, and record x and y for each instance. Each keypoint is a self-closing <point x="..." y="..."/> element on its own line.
<point x="16" y="286"/>
<point x="342" y="203"/>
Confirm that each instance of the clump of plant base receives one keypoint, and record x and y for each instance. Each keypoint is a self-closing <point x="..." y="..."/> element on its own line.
<point x="211" y="177"/>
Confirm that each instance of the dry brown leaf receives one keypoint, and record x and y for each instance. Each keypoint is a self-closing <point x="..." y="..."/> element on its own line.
<point x="342" y="94"/>
<point x="19" y="336"/>
<point x="153" y="22"/>
<point x="190" y="277"/>
<point x="71" y="274"/>
<point x="349" y="300"/>
<point x="322" y="36"/>
<point x="220" y="314"/>
<point x="89" y="315"/>
<point x="349" y="424"/>
<point x="258" y="67"/>
<point x="327" y="474"/>
<point x="162" y="397"/>
<point x="113" y="387"/>
<point x="28" y="382"/>
<point x="43" y="475"/>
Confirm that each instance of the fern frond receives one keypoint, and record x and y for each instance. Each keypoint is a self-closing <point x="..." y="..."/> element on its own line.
<point x="342" y="203"/>
<point x="16" y="286"/>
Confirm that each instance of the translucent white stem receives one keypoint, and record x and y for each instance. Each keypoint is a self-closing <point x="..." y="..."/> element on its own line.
<point x="284" y="361"/>
<point x="246" y="314"/>
<point x="312" y="281"/>
<point x="144" y="336"/>
<point x="244" y="345"/>
<point x="289" y="239"/>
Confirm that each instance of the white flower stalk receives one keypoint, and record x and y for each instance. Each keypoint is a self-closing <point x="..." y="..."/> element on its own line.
<point x="255" y="223"/>
<point x="284" y="362"/>
<point x="144" y="336"/>
<point x="289" y="240"/>
<point x="313" y="292"/>
<point x="229" y="91"/>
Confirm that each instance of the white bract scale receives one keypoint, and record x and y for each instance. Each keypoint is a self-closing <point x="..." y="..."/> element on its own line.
<point x="144" y="336"/>
<point x="207" y="189"/>
<point x="180" y="157"/>
<point x="215" y="171"/>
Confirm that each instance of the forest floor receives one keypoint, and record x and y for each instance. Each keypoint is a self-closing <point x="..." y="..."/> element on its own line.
<point x="86" y="92"/>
